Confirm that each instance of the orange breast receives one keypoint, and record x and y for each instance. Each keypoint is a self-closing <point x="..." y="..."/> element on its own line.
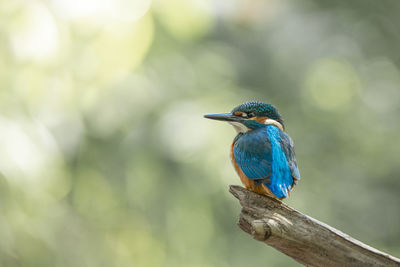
<point x="249" y="183"/>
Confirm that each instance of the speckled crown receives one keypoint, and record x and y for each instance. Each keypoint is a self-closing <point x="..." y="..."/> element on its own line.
<point x="260" y="109"/>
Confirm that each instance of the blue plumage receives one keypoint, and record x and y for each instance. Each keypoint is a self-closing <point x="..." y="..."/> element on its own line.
<point x="288" y="148"/>
<point x="262" y="153"/>
<point x="252" y="152"/>
<point x="266" y="154"/>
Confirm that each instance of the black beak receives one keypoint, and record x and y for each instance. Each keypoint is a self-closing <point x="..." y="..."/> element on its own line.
<point x="224" y="117"/>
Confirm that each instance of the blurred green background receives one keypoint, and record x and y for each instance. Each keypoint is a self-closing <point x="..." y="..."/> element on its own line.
<point x="105" y="159"/>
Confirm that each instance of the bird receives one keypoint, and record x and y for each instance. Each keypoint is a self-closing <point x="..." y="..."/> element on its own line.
<point x="262" y="153"/>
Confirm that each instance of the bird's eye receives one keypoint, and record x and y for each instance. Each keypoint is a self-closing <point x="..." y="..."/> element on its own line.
<point x="250" y="115"/>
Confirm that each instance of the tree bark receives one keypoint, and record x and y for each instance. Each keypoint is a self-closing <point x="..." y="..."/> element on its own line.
<point x="303" y="238"/>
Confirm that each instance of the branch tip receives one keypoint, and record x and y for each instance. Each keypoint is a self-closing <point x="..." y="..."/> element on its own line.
<point x="301" y="237"/>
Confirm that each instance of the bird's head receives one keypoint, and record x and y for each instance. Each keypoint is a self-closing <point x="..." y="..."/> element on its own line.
<point x="249" y="116"/>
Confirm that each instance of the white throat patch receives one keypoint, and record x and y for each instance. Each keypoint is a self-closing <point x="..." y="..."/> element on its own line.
<point x="240" y="128"/>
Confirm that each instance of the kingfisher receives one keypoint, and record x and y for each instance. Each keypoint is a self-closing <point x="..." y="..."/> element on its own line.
<point x="262" y="153"/>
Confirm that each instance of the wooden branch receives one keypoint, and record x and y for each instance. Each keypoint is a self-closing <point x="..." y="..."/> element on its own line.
<point x="303" y="238"/>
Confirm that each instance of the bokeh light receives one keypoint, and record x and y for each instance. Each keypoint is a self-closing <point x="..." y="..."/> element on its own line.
<point x="106" y="159"/>
<point x="331" y="84"/>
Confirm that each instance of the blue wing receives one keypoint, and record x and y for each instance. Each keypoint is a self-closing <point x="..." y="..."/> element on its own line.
<point x="253" y="155"/>
<point x="288" y="149"/>
<point x="267" y="155"/>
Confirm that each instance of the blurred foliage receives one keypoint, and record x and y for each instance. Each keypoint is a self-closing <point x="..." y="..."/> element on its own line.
<point x="107" y="161"/>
